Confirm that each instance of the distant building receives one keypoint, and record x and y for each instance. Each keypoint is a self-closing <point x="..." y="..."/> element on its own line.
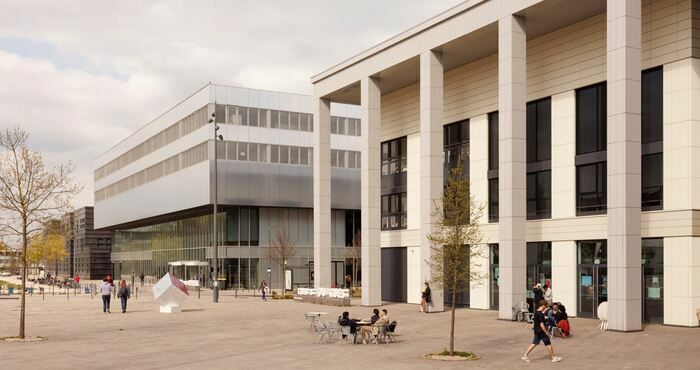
<point x="88" y="249"/>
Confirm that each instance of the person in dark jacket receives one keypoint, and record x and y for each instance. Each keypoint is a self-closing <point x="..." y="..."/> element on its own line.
<point x="374" y="317"/>
<point x="562" y="318"/>
<point x="123" y="294"/>
<point x="538" y="296"/>
<point x="345" y="320"/>
<point x="426" y="298"/>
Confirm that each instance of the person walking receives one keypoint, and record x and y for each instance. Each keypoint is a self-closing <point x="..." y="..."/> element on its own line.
<point x="106" y="290"/>
<point x="548" y="295"/>
<point x="426" y="298"/>
<point x="263" y="288"/>
<point x="537" y="296"/>
<point x="540" y="334"/>
<point x="141" y="276"/>
<point x="124" y="294"/>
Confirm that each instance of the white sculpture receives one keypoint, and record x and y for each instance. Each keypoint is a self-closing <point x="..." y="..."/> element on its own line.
<point x="170" y="292"/>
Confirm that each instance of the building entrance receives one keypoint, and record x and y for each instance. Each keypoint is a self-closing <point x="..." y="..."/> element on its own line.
<point x="592" y="277"/>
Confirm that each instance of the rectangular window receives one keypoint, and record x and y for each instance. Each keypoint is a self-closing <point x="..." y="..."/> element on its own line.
<point x="652" y="105"/>
<point x="263" y="117"/>
<point x="351" y="127"/>
<point x="304" y="121"/>
<point x="334" y="125"/>
<point x="539" y="130"/>
<point x="294" y="155"/>
<point x="262" y="154"/>
<point x="351" y="160"/>
<point x="493" y="200"/>
<point x="539" y="195"/>
<point x="294" y="121"/>
<point x="243" y="116"/>
<point x="304" y="156"/>
<point x="652" y="182"/>
<point x="591" y="119"/>
<point x="220" y="113"/>
<point x="274" y="153"/>
<point x="284" y="154"/>
<point x="394" y="207"/>
<point x="274" y="119"/>
<point x="284" y="120"/>
<point x="252" y="116"/>
<point x="245" y="226"/>
<point x="254" y="227"/>
<point x="253" y="152"/>
<point x="242" y="151"/>
<point x="493" y="141"/>
<point x="394" y="156"/>
<point x="341" y="126"/>
<point x="591" y="192"/>
<point x="334" y="158"/>
<point x="456" y="148"/>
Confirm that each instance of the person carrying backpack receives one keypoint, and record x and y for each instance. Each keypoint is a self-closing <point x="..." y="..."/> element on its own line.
<point x="124" y="294"/>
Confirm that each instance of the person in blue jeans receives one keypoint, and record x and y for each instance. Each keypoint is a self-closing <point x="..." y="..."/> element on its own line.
<point x="106" y="290"/>
<point x="124" y="294"/>
<point x="263" y="288"/>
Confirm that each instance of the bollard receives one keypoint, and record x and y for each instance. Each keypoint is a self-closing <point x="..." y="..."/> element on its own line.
<point x="42" y="294"/>
<point x="67" y="294"/>
<point x="199" y="292"/>
<point x="137" y="292"/>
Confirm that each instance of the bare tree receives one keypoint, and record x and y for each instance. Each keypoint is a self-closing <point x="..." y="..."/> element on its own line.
<point x="455" y="243"/>
<point x="355" y="254"/>
<point x="30" y="195"/>
<point x="281" y="250"/>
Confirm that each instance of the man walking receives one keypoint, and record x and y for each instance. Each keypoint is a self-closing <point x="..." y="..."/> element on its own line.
<point x="106" y="290"/>
<point x="541" y="334"/>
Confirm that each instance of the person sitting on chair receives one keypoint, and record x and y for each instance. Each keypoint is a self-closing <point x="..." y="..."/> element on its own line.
<point x="383" y="321"/>
<point x="345" y="320"/>
<point x="561" y="318"/>
<point x="366" y="331"/>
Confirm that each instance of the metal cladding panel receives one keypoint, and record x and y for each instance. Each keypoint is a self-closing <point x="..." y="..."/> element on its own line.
<point x="187" y="188"/>
<point x="279" y="185"/>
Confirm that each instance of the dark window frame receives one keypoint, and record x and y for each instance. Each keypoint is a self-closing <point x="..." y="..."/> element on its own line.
<point x="394" y="211"/>
<point x="492" y="173"/>
<point x="652" y="139"/>
<point x="455" y="143"/>
<point x="539" y="159"/>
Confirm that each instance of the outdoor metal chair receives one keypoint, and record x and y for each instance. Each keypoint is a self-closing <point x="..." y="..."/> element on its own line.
<point x="320" y="331"/>
<point x="345" y="334"/>
<point x="390" y="330"/>
<point x="331" y="329"/>
<point x="382" y="336"/>
<point x="311" y="320"/>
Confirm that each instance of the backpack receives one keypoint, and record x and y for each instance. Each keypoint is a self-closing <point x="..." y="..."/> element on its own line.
<point x="391" y="327"/>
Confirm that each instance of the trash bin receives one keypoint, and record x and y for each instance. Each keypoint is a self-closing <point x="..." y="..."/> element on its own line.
<point x="30" y="290"/>
<point x="10" y="291"/>
<point x="87" y="290"/>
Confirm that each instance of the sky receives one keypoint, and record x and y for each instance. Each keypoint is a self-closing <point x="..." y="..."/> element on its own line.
<point x="80" y="76"/>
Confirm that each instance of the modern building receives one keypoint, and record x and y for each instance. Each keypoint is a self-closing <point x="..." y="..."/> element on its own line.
<point x="156" y="189"/>
<point x="577" y="122"/>
<point x="88" y="249"/>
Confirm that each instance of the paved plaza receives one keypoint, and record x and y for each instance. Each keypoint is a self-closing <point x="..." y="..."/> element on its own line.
<point x="245" y="333"/>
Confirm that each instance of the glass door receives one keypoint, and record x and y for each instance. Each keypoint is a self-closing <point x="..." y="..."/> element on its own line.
<point x="592" y="274"/>
<point x="493" y="276"/>
<point x="653" y="280"/>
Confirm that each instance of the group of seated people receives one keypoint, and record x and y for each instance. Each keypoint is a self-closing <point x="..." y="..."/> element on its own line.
<point x="556" y="316"/>
<point x="367" y="332"/>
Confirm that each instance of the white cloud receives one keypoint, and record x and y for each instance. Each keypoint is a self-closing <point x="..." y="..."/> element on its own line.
<point x="158" y="52"/>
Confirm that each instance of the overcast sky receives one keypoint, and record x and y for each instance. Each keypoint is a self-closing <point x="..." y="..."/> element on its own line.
<point x="82" y="75"/>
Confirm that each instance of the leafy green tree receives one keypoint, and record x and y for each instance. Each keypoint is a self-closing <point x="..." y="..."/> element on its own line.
<point x="455" y="242"/>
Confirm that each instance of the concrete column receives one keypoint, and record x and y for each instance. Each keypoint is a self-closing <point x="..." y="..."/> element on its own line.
<point x="479" y="294"/>
<point x="681" y="280"/>
<point x="479" y="163"/>
<point x="564" y="155"/>
<point x="624" y="34"/>
<point x="564" y="274"/>
<point x="370" y="193"/>
<point x="431" y="85"/>
<point x="512" y="155"/>
<point x="681" y="188"/>
<point x="322" y="194"/>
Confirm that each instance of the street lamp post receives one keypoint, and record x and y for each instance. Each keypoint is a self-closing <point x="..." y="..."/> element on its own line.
<point x="215" y="256"/>
<point x="269" y="254"/>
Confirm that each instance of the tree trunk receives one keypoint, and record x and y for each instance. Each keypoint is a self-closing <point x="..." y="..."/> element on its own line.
<point x="452" y="323"/>
<point x="24" y="279"/>
<point x="282" y="278"/>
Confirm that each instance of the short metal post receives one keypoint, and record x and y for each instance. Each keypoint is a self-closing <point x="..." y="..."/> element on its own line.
<point x="137" y="292"/>
<point x="42" y="294"/>
<point x="67" y="294"/>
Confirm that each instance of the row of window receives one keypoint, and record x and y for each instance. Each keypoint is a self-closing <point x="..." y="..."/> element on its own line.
<point x="345" y="158"/>
<point x="285" y="120"/>
<point x="155" y="142"/>
<point x="189" y="157"/>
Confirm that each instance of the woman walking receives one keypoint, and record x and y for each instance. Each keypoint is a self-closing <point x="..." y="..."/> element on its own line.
<point x="124" y="293"/>
<point x="263" y="288"/>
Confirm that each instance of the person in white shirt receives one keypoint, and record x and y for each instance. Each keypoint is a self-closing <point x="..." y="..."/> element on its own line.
<point x="106" y="290"/>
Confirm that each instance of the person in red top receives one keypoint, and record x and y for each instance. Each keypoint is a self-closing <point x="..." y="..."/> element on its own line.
<point x="77" y="279"/>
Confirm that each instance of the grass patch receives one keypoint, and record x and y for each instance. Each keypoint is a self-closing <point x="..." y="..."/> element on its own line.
<point x="457" y="353"/>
